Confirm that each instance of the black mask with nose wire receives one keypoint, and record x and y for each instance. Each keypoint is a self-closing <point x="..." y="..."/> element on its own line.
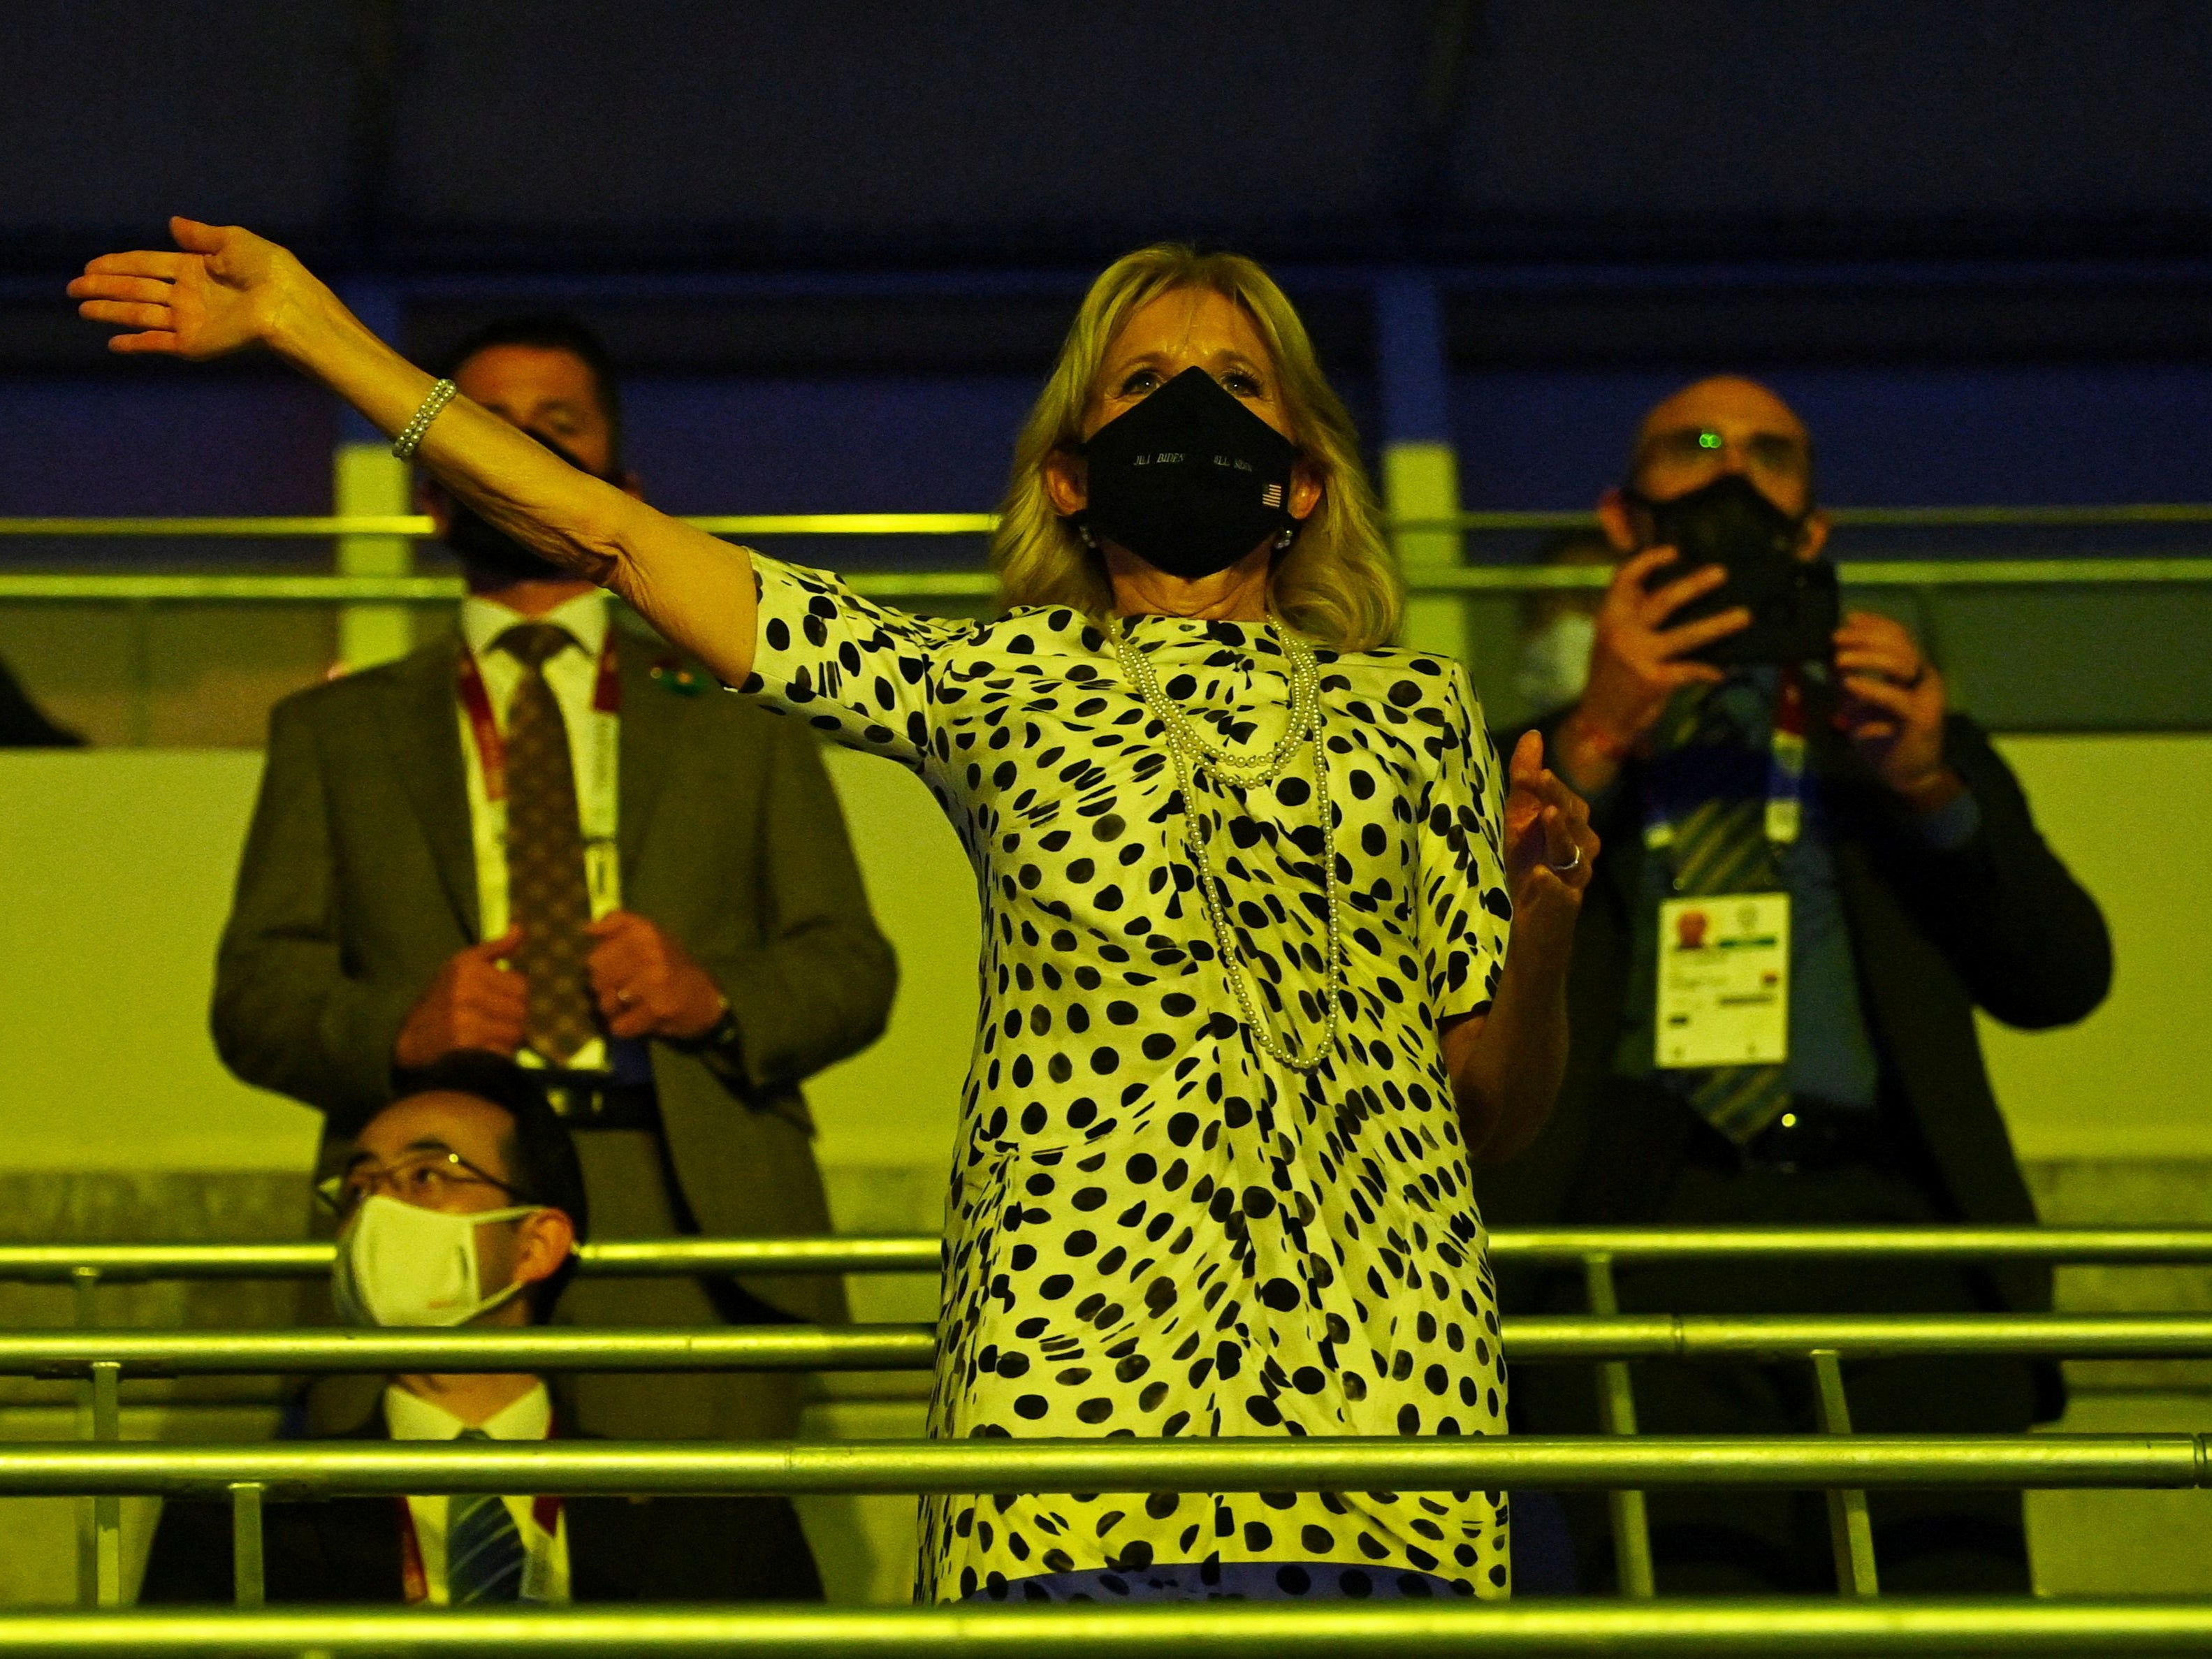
<point x="1190" y="480"/>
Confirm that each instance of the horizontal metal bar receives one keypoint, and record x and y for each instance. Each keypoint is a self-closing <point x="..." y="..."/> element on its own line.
<point x="2141" y="1246"/>
<point x="1583" y="1338"/>
<point x="1219" y="1630"/>
<point x="2069" y="517"/>
<point x="2053" y="1336"/>
<point x="1259" y="1463"/>
<point x="420" y="526"/>
<point x="982" y="587"/>
<point x="535" y="1348"/>
<point x="2099" y="572"/>
<point x="919" y="1251"/>
<point x="644" y="1258"/>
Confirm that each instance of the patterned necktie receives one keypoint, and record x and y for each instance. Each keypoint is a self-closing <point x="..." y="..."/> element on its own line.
<point x="547" y="897"/>
<point x="485" y="1552"/>
<point x="1721" y="847"/>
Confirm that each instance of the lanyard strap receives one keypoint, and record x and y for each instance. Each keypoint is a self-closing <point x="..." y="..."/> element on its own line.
<point x="491" y="747"/>
<point x="1785" y="762"/>
<point x="1785" y="774"/>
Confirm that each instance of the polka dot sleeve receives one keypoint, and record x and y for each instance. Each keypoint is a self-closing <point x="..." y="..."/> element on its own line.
<point x="862" y="674"/>
<point x="1466" y="911"/>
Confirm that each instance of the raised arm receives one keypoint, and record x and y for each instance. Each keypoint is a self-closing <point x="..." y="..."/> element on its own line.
<point x="228" y="289"/>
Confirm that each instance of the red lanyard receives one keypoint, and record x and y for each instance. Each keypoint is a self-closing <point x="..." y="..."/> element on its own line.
<point x="491" y="748"/>
<point x="415" y="1581"/>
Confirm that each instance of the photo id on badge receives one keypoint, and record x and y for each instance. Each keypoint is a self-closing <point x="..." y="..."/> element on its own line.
<point x="1724" y="980"/>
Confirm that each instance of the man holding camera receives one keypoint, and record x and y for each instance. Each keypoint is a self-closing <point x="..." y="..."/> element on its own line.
<point x="1815" y="872"/>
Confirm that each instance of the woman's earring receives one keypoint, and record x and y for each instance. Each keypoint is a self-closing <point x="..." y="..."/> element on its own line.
<point x="1090" y="535"/>
<point x="1283" y="541"/>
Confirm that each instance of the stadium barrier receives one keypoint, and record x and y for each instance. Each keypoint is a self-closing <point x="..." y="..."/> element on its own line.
<point x="1217" y="1630"/>
<point x="1607" y="1338"/>
<point x="372" y="609"/>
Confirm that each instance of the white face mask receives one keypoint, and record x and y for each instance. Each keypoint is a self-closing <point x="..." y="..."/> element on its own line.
<point x="1554" y="664"/>
<point x="401" y="1265"/>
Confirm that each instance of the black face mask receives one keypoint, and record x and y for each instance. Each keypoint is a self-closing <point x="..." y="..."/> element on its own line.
<point x="1793" y="603"/>
<point x="491" y="551"/>
<point x="1189" y="480"/>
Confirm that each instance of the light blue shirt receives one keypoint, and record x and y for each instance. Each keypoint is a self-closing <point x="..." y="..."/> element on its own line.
<point x="1832" y="1050"/>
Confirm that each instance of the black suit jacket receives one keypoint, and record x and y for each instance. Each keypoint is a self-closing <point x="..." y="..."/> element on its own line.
<point x="346" y="1550"/>
<point x="1997" y="923"/>
<point x="358" y="881"/>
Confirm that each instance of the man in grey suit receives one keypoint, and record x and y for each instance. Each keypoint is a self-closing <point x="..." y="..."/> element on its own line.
<point x="548" y="838"/>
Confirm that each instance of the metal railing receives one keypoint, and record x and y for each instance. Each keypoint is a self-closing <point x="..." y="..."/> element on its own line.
<point x="380" y="603"/>
<point x="1846" y="1466"/>
<point x="91" y="1264"/>
<point x="1218" y="1630"/>
<point x="1606" y="1339"/>
<point x="1556" y="1340"/>
<point x="972" y="586"/>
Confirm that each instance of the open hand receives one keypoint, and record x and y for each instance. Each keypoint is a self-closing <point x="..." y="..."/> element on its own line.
<point x="646" y="984"/>
<point x="1892" y="709"/>
<point x="1550" y="849"/>
<point x="226" y="290"/>
<point x="474" y="1002"/>
<point x="1638" y="662"/>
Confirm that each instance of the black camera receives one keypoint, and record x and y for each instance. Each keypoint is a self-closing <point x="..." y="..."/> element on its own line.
<point x="1795" y="604"/>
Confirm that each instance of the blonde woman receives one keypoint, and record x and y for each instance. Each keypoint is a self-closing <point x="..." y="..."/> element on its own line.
<point x="1249" y="1006"/>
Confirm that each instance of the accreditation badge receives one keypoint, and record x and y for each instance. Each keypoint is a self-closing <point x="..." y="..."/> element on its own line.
<point x="1724" y="980"/>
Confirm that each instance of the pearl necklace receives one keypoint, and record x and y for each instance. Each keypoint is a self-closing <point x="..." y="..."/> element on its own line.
<point x="1190" y="750"/>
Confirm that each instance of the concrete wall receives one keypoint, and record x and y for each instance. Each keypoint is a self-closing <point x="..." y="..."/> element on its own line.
<point x="118" y="867"/>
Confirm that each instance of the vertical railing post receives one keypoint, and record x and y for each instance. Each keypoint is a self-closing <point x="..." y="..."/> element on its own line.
<point x="250" y="1587"/>
<point x="1616" y="1411"/>
<point x="84" y="1283"/>
<point x="1848" y="1525"/>
<point x="107" y="1508"/>
<point x="1421" y="469"/>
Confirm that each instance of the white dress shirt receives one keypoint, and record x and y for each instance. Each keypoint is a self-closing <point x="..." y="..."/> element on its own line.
<point x="545" y="1571"/>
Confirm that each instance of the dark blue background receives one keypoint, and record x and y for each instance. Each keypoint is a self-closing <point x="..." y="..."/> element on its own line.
<point x="835" y="242"/>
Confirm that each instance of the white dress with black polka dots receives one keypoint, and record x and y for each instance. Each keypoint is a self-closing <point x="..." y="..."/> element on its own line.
<point x="1153" y="1229"/>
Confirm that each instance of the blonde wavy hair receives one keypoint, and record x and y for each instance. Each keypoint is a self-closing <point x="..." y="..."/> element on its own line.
<point x="1336" y="583"/>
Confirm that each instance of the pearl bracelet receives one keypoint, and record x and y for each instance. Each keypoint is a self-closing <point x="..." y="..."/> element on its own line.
<point x="410" y="439"/>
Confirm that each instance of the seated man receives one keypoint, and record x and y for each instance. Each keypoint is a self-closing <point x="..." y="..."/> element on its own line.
<point x="475" y="1151"/>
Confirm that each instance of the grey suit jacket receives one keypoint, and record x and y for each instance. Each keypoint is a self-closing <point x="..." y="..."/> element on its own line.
<point x="359" y="880"/>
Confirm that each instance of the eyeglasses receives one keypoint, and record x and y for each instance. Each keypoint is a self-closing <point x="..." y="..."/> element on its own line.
<point x="429" y="1180"/>
<point x="1777" y="457"/>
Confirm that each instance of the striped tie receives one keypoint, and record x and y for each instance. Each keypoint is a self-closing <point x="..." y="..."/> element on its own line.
<point x="1721" y="847"/>
<point x="484" y="1551"/>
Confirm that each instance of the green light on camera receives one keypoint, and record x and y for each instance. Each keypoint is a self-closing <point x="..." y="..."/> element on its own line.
<point x="1709" y="440"/>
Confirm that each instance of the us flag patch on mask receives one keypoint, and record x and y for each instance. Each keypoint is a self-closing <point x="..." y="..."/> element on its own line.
<point x="1272" y="495"/>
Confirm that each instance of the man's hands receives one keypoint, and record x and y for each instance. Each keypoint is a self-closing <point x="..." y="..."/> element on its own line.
<point x="1550" y="849"/>
<point x="474" y="1002"/>
<point x="226" y="289"/>
<point x="646" y="984"/>
<point x="1637" y="663"/>
<point x="1892" y="710"/>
